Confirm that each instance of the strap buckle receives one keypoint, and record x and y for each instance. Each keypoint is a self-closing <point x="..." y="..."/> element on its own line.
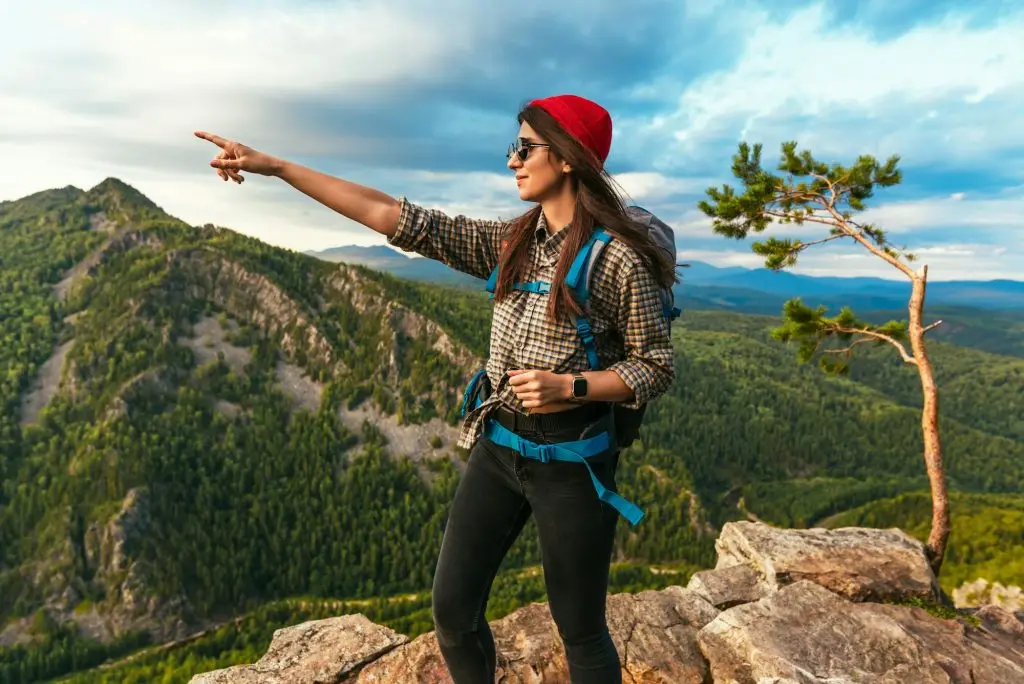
<point x="544" y="453"/>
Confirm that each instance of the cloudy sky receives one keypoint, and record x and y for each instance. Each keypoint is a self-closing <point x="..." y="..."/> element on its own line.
<point x="419" y="99"/>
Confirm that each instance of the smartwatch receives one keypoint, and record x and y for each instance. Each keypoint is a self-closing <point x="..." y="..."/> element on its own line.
<point x="579" y="386"/>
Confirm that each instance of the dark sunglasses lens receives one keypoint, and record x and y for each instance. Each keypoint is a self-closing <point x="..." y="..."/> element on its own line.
<point x="518" y="149"/>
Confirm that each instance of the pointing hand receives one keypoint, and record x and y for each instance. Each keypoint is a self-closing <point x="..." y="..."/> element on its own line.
<point x="235" y="157"/>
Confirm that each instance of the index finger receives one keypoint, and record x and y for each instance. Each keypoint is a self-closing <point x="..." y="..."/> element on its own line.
<point x="215" y="139"/>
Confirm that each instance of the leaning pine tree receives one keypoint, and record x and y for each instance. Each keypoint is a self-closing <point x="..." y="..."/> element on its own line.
<point x="812" y="192"/>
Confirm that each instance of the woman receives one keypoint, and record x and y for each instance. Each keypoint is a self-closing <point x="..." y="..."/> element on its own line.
<point x="543" y="389"/>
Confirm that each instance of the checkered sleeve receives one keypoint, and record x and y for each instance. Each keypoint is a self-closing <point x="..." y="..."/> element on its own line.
<point x="464" y="244"/>
<point x="649" y="364"/>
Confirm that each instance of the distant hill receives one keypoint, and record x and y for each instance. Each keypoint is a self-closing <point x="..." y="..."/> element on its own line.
<point x="988" y="315"/>
<point x="742" y="289"/>
<point x="396" y="263"/>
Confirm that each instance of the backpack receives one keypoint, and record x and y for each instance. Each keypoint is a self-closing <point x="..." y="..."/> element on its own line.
<point x="627" y="421"/>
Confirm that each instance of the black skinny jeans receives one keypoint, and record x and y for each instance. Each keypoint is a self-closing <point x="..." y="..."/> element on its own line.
<point x="497" y="494"/>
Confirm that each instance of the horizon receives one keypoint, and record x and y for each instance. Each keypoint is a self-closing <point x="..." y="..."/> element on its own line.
<point x="895" y="279"/>
<point x="937" y="84"/>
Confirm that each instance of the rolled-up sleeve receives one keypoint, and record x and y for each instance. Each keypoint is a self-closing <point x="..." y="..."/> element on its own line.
<point x="464" y="244"/>
<point x="649" y="364"/>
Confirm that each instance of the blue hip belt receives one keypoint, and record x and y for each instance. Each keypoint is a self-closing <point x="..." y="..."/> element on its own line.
<point x="577" y="451"/>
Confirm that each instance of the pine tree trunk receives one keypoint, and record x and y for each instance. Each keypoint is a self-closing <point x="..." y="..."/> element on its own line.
<point x="939" y="534"/>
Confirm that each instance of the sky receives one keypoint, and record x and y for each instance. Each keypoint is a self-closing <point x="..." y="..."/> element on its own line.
<point x="419" y="100"/>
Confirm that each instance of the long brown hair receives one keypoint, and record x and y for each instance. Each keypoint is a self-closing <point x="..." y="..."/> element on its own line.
<point x="597" y="203"/>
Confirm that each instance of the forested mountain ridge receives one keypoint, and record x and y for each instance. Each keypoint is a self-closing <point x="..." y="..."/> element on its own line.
<point x="195" y="422"/>
<point x="176" y="341"/>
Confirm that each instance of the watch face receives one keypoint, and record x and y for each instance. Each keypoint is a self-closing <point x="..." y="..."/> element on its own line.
<point x="579" y="387"/>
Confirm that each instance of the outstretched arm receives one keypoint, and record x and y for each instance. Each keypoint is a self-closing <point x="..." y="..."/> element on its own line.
<point x="465" y="244"/>
<point x="372" y="208"/>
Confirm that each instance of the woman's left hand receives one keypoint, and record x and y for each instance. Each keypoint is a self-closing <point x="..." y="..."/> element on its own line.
<point x="537" y="388"/>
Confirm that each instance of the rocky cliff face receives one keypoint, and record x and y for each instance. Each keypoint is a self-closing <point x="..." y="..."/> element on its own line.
<point x="781" y="606"/>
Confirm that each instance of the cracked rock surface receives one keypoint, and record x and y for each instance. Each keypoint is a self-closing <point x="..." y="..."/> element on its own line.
<point x="861" y="564"/>
<point x="654" y="633"/>
<point x="738" y="625"/>
<point x="315" y="652"/>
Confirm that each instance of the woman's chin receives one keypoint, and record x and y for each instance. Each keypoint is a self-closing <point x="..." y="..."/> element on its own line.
<point x="527" y="196"/>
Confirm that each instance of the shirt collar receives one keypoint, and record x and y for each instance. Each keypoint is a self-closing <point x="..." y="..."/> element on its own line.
<point x="549" y="242"/>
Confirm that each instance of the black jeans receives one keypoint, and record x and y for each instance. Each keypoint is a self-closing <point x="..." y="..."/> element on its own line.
<point x="497" y="494"/>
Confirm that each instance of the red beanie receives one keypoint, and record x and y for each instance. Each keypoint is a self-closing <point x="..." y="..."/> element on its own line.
<point x="583" y="119"/>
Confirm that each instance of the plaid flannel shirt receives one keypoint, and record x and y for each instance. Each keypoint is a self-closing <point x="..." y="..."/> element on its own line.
<point x="631" y="334"/>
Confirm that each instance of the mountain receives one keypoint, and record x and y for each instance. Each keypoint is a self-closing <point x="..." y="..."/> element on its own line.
<point x="379" y="257"/>
<point x="194" y="424"/>
<point x="388" y="260"/>
<point x="989" y="294"/>
<point x="862" y="292"/>
<point x="739" y="288"/>
<point x="985" y="314"/>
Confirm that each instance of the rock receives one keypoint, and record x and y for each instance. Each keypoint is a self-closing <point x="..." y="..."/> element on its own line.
<point x="654" y="633"/>
<point x="860" y="564"/>
<point x="1001" y="620"/>
<point x="315" y="652"/>
<point x="800" y="607"/>
<point x="807" y="634"/>
<point x="418" y="662"/>
<point x="993" y="653"/>
<point x="727" y="587"/>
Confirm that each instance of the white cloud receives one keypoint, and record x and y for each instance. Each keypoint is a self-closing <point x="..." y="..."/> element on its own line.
<point x="187" y="48"/>
<point x="956" y="262"/>
<point x="797" y="74"/>
<point x="119" y="92"/>
<point x="954" y="250"/>
<point x="720" y="257"/>
<point x="961" y="262"/>
<point x="145" y="74"/>
<point x="650" y="185"/>
<point x="1004" y="212"/>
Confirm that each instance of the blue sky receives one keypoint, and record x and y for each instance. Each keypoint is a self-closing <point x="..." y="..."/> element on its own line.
<point x="419" y="99"/>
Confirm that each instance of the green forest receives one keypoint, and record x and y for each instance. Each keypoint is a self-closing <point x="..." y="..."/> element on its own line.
<point x="249" y="501"/>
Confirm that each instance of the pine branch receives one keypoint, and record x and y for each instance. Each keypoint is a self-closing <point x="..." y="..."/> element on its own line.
<point x="831" y="189"/>
<point x="907" y="358"/>
<point x="849" y="349"/>
<point x="812" y="218"/>
<point x="881" y="254"/>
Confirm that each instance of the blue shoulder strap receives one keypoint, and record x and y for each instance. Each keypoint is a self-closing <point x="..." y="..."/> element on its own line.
<point x="579" y="273"/>
<point x="492" y="282"/>
<point x="578" y="280"/>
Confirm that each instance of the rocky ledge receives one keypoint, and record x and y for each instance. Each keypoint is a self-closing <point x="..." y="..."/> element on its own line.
<point x="781" y="606"/>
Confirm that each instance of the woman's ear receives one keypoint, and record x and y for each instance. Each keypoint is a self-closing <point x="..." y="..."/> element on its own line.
<point x="566" y="167"/>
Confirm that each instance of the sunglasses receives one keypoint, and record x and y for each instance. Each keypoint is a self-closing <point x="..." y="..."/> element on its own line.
<point x="521" y="148"/>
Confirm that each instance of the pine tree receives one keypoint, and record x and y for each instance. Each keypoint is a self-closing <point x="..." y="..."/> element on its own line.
<point x="829" y="195"/>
